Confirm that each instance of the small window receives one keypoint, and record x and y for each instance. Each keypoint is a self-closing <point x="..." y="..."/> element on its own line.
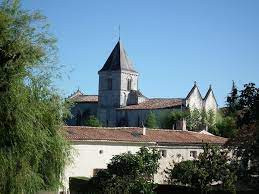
<point x="100" y="151"/>
<point x="163" y="153"/>
<point x="129" y="84"/>
<point x="109" y="83"/>
<point x="193" y="154"/>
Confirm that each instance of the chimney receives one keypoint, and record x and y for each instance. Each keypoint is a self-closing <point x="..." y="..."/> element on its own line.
<point x="181" y="125"/>
<point x="144" y="131"/>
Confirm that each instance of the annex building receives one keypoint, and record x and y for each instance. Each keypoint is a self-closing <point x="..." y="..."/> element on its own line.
<point x="119" y="101"/>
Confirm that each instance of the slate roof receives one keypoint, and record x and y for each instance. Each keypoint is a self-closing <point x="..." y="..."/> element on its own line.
<point x="155" y="103"/>
<point x="134" y="134"/>
<point x="118" y="60"/>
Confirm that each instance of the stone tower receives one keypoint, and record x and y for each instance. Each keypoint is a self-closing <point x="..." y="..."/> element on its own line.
<point x="117" y="80"/>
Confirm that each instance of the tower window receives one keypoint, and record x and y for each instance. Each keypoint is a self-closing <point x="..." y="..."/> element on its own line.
<point x="109" y="83"/>
<point x="129" y="84"/>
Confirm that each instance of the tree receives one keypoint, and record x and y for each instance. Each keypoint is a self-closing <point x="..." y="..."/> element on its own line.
<point x="213" y="165"/>
<point x="232" y="100"/>
<point x="245" y="144"/>
<point x="92" y="121"/>
<point x="169" y="120"/>
<point x="151" y="121"/>
<point x="128" y="173"/>
<point x="194" y="120"/>
<point x="33" y="151"/>
<point x="226" y="126"/>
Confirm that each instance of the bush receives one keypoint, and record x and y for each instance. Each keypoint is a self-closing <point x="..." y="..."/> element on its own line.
<point x="92" y="121"/>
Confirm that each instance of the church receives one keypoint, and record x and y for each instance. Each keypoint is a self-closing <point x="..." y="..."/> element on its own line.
<point x="122" y="109"/>
<point x="119" y="101"/>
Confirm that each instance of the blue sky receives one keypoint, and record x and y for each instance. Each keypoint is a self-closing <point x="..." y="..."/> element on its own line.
<point x="172" y="43"/>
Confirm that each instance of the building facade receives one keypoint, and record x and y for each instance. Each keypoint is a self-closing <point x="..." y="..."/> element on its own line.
<point x="94" y="147"/>
<point x="119" y="101"/>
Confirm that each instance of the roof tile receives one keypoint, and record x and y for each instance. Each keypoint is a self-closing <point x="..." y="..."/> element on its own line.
<point x="134" y="134"/>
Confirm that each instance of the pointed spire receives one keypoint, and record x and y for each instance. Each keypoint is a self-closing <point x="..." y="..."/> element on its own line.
<point x="118" y="60"/>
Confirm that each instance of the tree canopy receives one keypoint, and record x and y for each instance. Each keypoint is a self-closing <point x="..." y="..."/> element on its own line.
<point x="128" y="173"/>
<point x="213" y="165"/>
<point x="92" y="121"/>
<point x="151" y="121"/>
<point x="33" y="151"/>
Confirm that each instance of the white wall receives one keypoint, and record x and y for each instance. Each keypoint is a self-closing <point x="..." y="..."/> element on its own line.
<point x="210" y="103"/>
<point x="87" y="157"/>
<point x="195" y="100"/>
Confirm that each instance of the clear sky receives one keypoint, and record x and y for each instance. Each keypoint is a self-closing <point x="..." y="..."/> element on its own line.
<point x="172" y="43"/>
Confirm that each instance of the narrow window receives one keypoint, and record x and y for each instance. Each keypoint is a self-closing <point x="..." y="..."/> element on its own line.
<point x="193" y="154"/>
<point x="163" y="153"/>
<point x="109" y="83"/>
<point x="129" y="84"/>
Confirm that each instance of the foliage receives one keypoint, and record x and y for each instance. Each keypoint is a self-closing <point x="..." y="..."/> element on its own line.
<point x="151" y="121"/>
<point x="33" y="151"/>
<point x="226" y="126"/>
<point x="92" y="121"/>
<point x="245" y="143"/>
<point x="232" y="100"/>
<point x="169" y="120"/>
<point x="201" y="119"/>
<point x="213" y="165"/>
<point x="128" y="173"/>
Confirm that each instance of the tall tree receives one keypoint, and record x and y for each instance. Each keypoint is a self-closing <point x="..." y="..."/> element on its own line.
<point x="245" y="143"/>
<point x="232" y="100"/>
<point x="151" y="121"/>
<point x="33" y="151"/>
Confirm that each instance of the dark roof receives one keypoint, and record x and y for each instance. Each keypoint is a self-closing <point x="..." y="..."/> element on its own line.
<point x="155" y="103"/>
<point x="85" y="98"/>
<point x="118" y="60"/>
<point x="134" y="134"/>
<point x="137" y="93"/>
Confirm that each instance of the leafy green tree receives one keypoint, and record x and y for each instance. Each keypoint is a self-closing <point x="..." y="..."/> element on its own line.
<point x="92" y="121"/>
<point x="169" y="120"/>
<point x="226" y="126"/>
<point x="33" y="151"/>
<point x="151" y="121"/>
<point x="245" y="143"/>
<point x="128" y="173"/>
<point x="194" y="120"/>
<point x="213" y="165"/>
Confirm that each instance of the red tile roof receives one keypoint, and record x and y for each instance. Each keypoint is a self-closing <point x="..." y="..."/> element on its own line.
<point x="85" y="98"/>
<point x="134" y="134"/>
<point x="155" y="103"/>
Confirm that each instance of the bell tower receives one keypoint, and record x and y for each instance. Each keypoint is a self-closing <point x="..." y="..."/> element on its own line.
<point x="117" y="79"/>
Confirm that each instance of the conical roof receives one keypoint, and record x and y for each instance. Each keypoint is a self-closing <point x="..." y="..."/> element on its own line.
<point x="118" y="60"/>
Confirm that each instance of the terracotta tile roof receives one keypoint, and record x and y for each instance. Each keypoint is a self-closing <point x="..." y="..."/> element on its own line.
<point x="85" y="98"/>
<point x="156" y="103"/>
<point x="134" y="134"/>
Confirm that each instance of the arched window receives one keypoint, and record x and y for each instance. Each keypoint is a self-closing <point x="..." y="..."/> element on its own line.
<point x="129" y="84"/>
